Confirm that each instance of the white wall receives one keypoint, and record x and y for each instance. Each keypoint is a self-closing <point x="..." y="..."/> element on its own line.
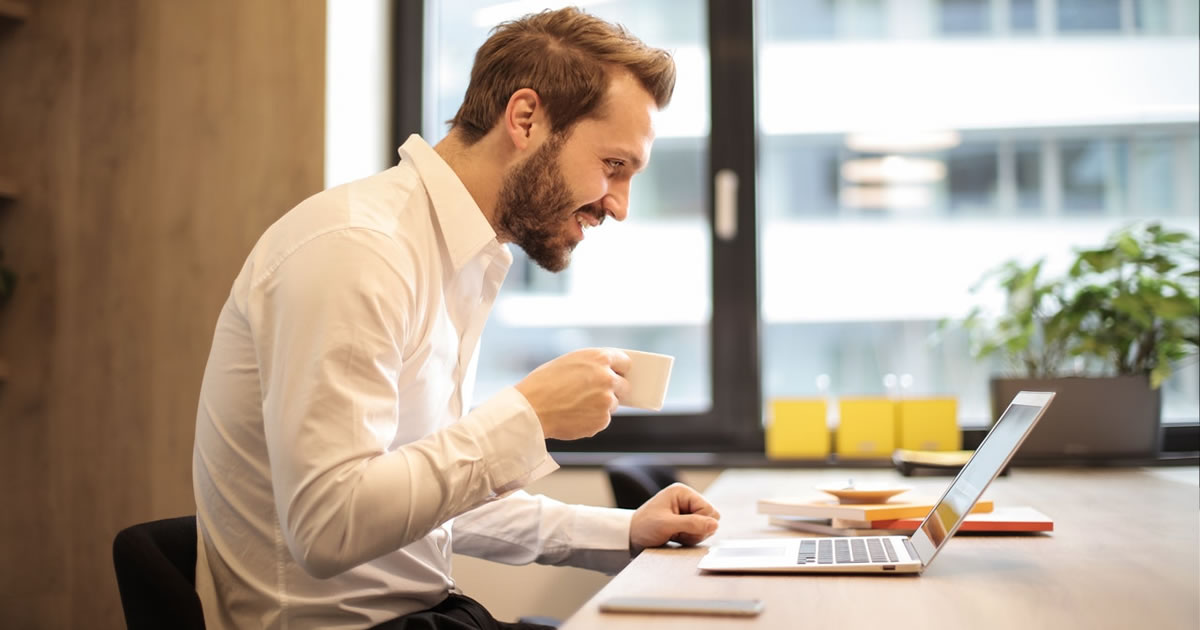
<point x="357" y="85"/>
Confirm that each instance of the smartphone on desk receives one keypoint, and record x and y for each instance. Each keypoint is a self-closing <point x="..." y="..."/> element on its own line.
<point x="682" y="606"/>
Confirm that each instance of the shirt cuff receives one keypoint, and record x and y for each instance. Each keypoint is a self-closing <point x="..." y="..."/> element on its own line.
<point x="602" y="527"/>
<point x="513" y="441"/>
<point x="600" y="538"/>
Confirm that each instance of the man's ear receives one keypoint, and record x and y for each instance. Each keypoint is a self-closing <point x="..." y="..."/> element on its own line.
<point x="524" y="118"/>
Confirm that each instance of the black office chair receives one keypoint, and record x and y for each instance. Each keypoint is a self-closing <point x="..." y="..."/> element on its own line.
<point x="635" y="479"/>
<point x="155" y="564"/>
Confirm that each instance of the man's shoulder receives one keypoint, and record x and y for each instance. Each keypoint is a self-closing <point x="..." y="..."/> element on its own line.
<point x="385" y="214"/>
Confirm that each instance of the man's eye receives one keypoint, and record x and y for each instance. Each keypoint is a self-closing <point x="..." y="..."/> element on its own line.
<point x="615" y="164"/>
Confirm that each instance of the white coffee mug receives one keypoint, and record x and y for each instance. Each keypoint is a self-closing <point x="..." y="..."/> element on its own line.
<point x="648" y="376"/>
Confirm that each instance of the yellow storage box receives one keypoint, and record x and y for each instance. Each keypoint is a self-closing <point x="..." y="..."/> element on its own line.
<point x="796" y="429"/>
<point x="867" y="427"/>
<point x="929" y="424"/>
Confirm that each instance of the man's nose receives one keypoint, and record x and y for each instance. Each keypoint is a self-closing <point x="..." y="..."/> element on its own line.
<point x="616" y="202"/>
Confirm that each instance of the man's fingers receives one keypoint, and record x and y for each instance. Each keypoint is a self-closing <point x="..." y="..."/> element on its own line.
<point x="618" y="360"/>
<point x="693" y="528"/>
<point x="688" y="501"/>
<point x="620" y="386"/>
<point x="707" y="510"/>
<point x="696" y="524"/>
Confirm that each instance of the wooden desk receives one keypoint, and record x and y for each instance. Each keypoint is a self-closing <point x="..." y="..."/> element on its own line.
<point x="1088" y="573"/>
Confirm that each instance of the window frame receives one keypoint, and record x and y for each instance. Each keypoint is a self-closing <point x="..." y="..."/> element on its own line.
<point x="733" y="423"/>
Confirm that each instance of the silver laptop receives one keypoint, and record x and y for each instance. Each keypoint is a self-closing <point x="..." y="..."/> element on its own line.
<point x="891" y="554"/>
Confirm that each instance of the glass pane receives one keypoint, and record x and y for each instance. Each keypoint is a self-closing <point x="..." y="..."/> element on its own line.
<point x="1093" y="176"/>
<point x="958" y="17"/>
<point x="1022" y="15"/>
<point x="1152" y="175"/>
<point x="971" y="178"/>
<point x="1185" y="18"/>
<point x="1028" y="176"/>
<point x="1089" y="15"/>
<point x="794" y="170"/>
<point x="1152" y="16"/>
<point x="642" y="284"/>
<point x="823" y="19"/>
<point x="804" y="19"/>
<point x="894" y="173"/>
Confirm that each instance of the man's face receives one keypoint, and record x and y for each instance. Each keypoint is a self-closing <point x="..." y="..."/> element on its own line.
<point x="574" y="181"/>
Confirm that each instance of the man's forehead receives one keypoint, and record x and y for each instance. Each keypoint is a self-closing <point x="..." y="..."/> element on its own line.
<point x="626" y="131"/>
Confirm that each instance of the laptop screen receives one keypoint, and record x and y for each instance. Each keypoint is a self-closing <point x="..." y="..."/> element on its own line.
<point x="991" y="456"/>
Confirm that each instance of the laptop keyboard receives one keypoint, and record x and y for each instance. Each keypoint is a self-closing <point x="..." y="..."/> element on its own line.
<point x="846" y="551"/>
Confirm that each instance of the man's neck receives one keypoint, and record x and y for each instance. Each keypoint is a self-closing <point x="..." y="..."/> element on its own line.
<point x="479" y="166"/>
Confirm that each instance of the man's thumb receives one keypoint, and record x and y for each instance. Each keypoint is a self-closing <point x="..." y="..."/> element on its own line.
<point x="700" y="524"/>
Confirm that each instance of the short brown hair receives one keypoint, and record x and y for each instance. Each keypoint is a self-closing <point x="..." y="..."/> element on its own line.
<point x="567" y="57"/>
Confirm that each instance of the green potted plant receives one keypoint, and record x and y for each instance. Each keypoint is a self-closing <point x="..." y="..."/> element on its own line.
<point x="1104" y="335"/>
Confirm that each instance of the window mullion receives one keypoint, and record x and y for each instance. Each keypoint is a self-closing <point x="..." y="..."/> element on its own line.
<point x="736" y="370"/>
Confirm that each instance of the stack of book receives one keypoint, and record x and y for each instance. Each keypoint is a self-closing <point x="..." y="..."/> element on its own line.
<point x="894" y="517"/>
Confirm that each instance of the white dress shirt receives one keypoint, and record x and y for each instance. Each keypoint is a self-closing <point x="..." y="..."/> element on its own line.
<point x="333" y="462"/>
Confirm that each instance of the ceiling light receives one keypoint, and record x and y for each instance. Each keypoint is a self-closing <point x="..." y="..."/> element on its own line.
<point x="903" y="141"/>
<point x="893" y="169"/>
<point x="886" y="197"/>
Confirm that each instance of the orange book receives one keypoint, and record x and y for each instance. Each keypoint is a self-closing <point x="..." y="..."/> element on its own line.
<point x="1005" y="519"/>
<point x="831" y="509"/>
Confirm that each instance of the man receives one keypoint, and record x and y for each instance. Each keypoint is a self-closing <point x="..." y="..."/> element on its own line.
<point x="335" y="461"/>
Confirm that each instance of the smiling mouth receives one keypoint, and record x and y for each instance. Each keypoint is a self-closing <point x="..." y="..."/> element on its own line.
<point x="588" y="218"/>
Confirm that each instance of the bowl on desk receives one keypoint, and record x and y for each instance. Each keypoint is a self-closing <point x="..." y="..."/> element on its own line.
<point x="864" y="493"/>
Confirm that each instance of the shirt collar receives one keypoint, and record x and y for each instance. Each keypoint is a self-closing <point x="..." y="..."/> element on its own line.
<point x="464" y="228"/>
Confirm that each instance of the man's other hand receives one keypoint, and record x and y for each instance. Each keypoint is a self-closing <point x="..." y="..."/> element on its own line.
<point x="677" y="513"/>
<point x="575" y="395"/>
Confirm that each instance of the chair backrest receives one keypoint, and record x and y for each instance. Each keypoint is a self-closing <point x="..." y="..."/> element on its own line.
<point x="635" y="479"/>
<point x="155" y="564"/>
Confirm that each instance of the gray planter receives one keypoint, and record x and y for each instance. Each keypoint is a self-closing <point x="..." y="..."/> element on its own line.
<point x="1100" y="419"/>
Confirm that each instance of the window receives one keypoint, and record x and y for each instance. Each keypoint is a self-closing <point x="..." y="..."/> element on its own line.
<point x="883" y="162"/>
<point x="875" y="142"/>
<point x="645" y="284"/>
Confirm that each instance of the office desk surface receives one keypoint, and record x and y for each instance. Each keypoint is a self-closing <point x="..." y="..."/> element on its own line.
<point x="1125" y="553"/>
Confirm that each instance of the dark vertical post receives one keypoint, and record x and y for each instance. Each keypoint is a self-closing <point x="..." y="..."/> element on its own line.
<point x="737" y="381"/>
<point x="408" y="43"/>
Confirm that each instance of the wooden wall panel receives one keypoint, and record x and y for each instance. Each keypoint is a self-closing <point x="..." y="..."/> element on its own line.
<point x="152" y="142"/>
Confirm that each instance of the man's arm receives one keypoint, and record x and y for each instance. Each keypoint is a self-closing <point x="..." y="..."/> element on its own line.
<point x="329" y="327"/>
<point x="521" y="529"/>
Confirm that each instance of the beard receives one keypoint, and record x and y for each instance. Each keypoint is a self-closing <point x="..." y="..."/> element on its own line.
<point x="534" y="206"/>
